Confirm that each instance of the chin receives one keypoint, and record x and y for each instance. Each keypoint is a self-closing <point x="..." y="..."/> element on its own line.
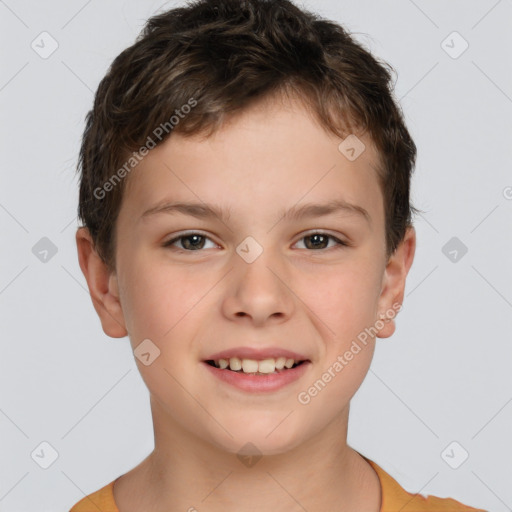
<point x="271" y="437"/>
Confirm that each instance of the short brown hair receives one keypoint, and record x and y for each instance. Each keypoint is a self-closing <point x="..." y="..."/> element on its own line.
<point x="224" y="55"/>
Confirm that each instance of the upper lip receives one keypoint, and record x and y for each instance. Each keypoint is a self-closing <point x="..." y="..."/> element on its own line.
<point x="256" y="353"/>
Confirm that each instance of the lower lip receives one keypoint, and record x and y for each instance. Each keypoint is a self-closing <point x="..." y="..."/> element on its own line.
<point x="258" y="383"/>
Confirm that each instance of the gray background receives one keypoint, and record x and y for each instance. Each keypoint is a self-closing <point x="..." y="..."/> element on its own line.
<point x="445" y="374"/>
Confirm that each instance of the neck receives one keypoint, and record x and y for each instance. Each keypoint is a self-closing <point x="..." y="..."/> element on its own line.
<point x="186" y="473"/>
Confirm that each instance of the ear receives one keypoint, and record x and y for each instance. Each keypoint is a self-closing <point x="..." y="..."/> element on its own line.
<point x="393" y="283"/>
<point x="103" y="286"/>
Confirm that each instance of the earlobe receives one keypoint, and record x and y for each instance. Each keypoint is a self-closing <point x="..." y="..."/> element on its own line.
<point x="394" y="279"/>
<point x="102" y="286"/>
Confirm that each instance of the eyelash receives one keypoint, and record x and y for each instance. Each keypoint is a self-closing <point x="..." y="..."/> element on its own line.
<point x="340" y="244"/>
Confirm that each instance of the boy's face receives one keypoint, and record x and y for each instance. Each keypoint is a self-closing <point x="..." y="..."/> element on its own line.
<point x="302" y="293"/>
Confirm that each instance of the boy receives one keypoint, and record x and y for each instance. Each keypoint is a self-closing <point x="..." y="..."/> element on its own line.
<point x="245" y="179"/>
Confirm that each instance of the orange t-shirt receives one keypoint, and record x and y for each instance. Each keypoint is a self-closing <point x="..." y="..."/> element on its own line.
<point x="394" y="499"/>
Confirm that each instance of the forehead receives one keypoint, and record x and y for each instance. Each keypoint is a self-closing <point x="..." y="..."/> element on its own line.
<point x="274" y="154"/>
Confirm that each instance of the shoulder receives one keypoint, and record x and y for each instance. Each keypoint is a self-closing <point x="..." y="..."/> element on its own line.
<point x="102" y="499"/>
<point x="395" y="498"/>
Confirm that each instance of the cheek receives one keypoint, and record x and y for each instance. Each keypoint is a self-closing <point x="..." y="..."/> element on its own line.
<point x="339" y="375"/>
<point x="337" y="384"/>
<point x="158" y="297"/>
<point x="164" y="305"/>
<point x="343" y="299"/>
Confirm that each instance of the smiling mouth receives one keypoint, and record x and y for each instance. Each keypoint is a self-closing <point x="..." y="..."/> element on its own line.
<point x="255" y="367"/>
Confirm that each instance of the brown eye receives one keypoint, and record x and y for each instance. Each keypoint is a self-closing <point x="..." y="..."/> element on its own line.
<point x="189" y="242"/>
<point x="318" y="241"/>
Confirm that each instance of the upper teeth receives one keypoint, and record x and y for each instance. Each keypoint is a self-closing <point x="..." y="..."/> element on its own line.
<point x="253" y="366"/>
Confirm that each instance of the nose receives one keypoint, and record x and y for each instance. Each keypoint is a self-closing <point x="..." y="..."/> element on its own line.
<point x="258" y="292"/>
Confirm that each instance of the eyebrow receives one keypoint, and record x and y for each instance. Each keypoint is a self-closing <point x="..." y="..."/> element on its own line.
<point x="309" y="210"/>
